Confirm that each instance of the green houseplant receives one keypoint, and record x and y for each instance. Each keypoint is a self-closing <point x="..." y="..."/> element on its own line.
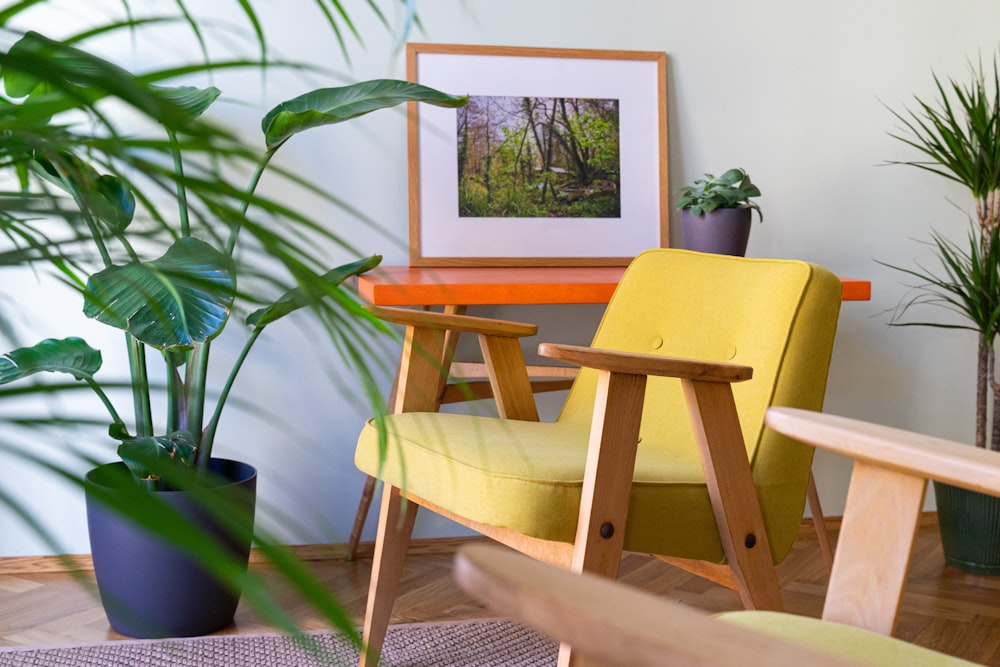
<point x="716" y="212"/>
<point x="178" y="299"/>
<point x="958" y="135"/>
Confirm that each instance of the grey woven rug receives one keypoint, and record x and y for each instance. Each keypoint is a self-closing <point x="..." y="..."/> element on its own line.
<point x="483" y="643"/>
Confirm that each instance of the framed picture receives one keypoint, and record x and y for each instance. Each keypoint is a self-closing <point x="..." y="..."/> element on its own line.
<point x="559" y="159"/>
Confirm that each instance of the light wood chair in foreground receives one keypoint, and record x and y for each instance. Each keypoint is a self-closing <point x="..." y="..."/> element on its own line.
<point x="678" y="465"/>
<point x="615" y="625"/>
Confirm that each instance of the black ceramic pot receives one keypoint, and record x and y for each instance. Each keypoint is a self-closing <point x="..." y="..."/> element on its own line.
<point x="148" y="587"/>
<point x="724" y="231"/>
<point x="970" y="528"/>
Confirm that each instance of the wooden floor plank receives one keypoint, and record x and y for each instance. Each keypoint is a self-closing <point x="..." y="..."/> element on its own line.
<point x="944" y="608"/>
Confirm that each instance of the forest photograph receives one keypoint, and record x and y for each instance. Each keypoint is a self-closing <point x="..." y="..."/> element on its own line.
<point x="538" y="157"/>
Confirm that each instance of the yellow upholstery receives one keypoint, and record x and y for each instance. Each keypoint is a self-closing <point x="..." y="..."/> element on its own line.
<point x="778" y="317"/>
<point x="866" y="647"/>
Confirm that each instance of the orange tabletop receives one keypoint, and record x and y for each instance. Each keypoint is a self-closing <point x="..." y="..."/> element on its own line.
<point x="446" y="286"/>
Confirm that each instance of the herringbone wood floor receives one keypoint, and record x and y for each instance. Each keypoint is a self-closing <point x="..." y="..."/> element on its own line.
<point x="944" y="608"/>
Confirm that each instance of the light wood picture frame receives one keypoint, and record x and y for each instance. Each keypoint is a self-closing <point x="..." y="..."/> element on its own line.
<point x="500" y="182"/>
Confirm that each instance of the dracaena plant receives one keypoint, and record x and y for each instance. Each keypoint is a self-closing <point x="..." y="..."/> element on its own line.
<point x="733" y="189"/>
<point x="175" y="303"/>
<point x="958" y="137"/>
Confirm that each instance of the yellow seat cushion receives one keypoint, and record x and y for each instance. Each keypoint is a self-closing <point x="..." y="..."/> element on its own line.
<point x="776" y="316"/>
<point x="528" y="476"/>
<point x="862" y="645"/>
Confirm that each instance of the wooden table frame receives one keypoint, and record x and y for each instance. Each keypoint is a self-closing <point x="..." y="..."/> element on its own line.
<point x="457" y="288"/>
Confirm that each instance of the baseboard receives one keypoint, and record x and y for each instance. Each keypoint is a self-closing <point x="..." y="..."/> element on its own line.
<point x="15" y="565"/>
<point x="325" y="552"/>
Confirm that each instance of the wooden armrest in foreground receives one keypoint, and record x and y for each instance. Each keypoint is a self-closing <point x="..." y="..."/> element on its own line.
<point x="611" y="623"/>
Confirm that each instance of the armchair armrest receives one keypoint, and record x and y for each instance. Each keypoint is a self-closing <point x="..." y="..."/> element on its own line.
<point x="646" y="364"/>
<point x="446" y="322"/>
<point x="884" y="502"/>
<point x="428" y="351"/>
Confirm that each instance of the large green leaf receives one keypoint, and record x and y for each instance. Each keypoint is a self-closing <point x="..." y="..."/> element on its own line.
<point x="173" y="302"/>
<point x="335" y="105"/>
<point x="69" y="355"/>
<point x="147" y="457"/>
<point x="297" y="298"/>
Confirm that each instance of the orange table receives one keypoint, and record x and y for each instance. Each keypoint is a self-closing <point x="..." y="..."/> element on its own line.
<point x="451" y="286"/>
<point x="456" y="288"/>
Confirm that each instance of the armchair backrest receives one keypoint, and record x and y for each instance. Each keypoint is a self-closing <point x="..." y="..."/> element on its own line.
<point x="776" y="316"/>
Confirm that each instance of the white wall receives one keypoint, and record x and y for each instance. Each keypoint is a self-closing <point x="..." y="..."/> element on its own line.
<point x="792" y="91"/>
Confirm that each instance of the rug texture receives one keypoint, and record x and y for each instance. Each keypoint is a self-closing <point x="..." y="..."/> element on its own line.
<point x="482" y="643"/>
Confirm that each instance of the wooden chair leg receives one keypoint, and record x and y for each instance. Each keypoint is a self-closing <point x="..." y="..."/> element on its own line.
<point x="607" y="482"/>
<point x="819" y="523"/>
<point x="734" y="497"/>
<point x="395" y="525"/>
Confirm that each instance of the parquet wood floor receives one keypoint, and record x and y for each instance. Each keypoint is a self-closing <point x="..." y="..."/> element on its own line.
<point x="944" y="608"/>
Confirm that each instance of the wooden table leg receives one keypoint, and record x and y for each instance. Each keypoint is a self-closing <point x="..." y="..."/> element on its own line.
<point x="367" y="493"/>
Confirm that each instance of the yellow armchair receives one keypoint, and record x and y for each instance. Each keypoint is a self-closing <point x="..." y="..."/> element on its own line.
<point x="659" y="448"/>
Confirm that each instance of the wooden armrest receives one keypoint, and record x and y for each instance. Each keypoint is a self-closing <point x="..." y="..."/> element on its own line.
<point x="431" y="320"/>
<point x="891" y="448"/>
<point x="615" y="624"/>
<point x="646" y="364"/>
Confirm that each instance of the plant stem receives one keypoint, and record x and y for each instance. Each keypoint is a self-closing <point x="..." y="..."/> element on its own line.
<point x="176" y="414"/>
<point x="197" y="372"/>
<point x="251" y="188"/>
<point x="182" y="204"/>
<point x="208" y="438"/>
<point x="982" y="390"/>
<point x="104" y="399"/>
<point x="140" y="386"/>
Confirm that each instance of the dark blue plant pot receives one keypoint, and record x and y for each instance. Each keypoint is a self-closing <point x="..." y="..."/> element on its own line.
<point x="150" y="588"/>
<point x="724" y="231"/>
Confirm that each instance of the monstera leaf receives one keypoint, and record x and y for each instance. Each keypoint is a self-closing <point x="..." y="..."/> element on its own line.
<point x="69" y="355"/>
<point x="296" y="298"/>
<point x="170" y="303"/>
<point x="335" y="105"/>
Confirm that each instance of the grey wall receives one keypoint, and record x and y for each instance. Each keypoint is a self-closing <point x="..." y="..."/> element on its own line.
<point x="792" y="91"/>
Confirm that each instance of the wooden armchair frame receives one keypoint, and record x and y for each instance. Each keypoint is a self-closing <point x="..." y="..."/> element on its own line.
<point x="610" y="459"/>
<point x="613" y="624"/>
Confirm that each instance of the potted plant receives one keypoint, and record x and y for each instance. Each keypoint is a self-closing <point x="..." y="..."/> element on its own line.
<point x="716" y="212"/>
<point x="176" y="300"/>
<point x="958" y="135"/>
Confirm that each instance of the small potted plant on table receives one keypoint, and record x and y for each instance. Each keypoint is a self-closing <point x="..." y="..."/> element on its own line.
<point x="716" y="212"/>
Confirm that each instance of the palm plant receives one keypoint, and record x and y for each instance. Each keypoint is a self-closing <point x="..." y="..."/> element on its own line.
<point x="959" y="137"/>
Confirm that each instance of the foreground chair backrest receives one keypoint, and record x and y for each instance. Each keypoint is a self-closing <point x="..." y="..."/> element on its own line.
<point x="612" y="624"/>
<point x="679" y="465"/>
